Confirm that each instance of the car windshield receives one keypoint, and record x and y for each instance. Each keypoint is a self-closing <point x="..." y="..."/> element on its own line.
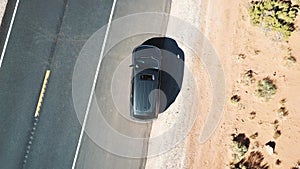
<point x="147" y="62"/>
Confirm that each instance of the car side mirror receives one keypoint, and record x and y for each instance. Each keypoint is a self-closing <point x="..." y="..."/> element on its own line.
<point x="131" y="65"/>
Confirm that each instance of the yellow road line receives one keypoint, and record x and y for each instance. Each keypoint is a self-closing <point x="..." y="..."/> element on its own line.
<point x="43" y="90"/>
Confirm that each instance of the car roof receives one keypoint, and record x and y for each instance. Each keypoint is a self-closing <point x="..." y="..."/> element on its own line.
<point x="145" y="93"/>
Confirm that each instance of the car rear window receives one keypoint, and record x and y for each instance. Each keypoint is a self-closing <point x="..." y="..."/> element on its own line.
<point x="147" y="77"/>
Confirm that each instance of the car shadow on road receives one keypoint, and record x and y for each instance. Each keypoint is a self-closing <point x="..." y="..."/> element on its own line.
<point x="172" y="69"/>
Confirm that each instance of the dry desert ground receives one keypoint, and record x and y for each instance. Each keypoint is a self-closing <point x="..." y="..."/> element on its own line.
<point x="248" y="54"/>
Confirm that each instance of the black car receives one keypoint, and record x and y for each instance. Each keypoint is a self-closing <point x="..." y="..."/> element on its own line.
<point x="145" y="84"/>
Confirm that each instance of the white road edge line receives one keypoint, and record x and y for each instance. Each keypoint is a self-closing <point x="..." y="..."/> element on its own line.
<point x="9" y="31"/>
<point x="94" y="85"/>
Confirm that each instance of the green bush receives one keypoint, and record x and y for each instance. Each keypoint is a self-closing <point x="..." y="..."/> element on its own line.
<point x="240" y="147"/>
<point x="266" y="88"/>
<point x="277" y="15"/>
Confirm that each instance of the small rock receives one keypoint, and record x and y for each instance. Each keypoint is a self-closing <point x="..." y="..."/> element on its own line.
<point x="269" y="150"/>
<point x="270" y="147"/>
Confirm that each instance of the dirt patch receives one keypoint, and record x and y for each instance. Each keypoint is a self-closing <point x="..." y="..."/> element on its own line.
<point x="248" y="54"/>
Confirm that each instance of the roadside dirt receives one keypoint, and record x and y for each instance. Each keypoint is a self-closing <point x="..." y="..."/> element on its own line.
<point x="241" y="47"/>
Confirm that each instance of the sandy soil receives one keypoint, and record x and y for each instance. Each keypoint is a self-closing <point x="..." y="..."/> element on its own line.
<point x="2" y="8"/>
<point x="240" y="47"/>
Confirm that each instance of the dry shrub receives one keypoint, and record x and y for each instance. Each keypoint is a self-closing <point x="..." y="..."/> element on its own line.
<point x="253" y="161"/>
<point x="297" y="166"/>
<point x="235" y="98"/>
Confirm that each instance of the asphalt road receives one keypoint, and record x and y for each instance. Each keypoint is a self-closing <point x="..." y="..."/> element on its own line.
<point x="45" y="34"/>
<point x="50" y="34"/>
<point x="27" y="56"/>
